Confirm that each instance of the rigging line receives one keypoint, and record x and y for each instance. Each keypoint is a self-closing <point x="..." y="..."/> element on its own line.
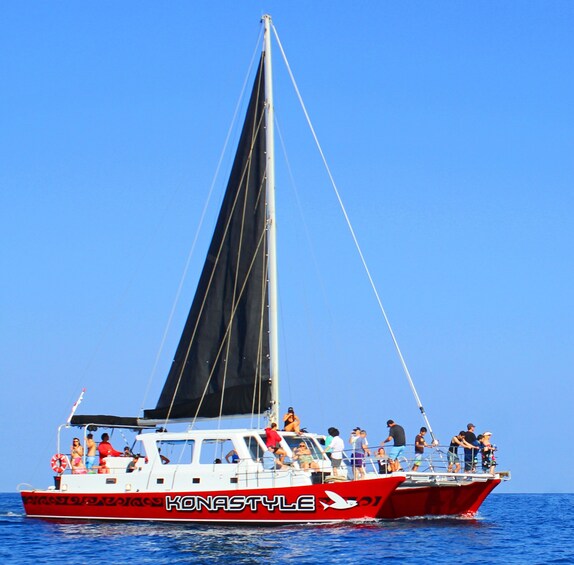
<point x="320" y="279"/>
<point x="234" y="299"/>
<point x="258" y="381"/>
<point x="353" y="235"/>
<point x="202" y="219"/>
<point x="191" y="341"/>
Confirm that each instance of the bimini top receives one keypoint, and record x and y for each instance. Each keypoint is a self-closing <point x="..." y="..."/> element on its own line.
<point x="112" y="421"/>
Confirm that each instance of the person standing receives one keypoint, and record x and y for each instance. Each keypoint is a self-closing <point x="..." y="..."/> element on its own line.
<point x="488" y="459"/>
<point x="397" y="434"/>
<point x="360" y="450"/>
<point x="420" y="445"/>
<point x="91" y="454"/>
<point x="76" y="455"/>
<point x="105" y="449"/>
<point x="328" y="441"/>
<point x="336" y="447"/>
<point x="354" y="435"/>
<point x="453" y="458"/>
<point x="470" y="451"/>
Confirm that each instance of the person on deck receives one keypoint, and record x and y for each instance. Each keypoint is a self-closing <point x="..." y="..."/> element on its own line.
<point x="383" y="461"/>
<point x="232" y="457"/>
<point x="420" y="445"/>
<point x="105" y="449"/>
<point x="92" y="450"/>
<point x="328" y="440"/>
<point x="76" y="455"/>
<point x="270" y="461"/>
<point x="303" y="455"/>
<point x="360" y="451"/>
<point x="336" y="448"/>
<point x="272" y="436"/>
<point x="354" y="435"/>
<point x="453" y="458"/>
<point x="487" y="452"/>
<point x="273" y="439"/>
<point x="397" y="434"/>
<point x="470" y="453"/>
<point x="291" y="422"/>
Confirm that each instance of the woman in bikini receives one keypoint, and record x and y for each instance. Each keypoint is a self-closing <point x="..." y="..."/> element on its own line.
<point x="76" y="453"/>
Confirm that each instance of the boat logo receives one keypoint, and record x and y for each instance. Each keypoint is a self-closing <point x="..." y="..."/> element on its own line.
<point x="339" y="503"/>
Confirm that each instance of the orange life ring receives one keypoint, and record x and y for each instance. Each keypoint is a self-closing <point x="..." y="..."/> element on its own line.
<point x="59" y="463"/>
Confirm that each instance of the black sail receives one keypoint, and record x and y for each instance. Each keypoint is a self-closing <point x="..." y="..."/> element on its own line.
<point x="221" y="365"/>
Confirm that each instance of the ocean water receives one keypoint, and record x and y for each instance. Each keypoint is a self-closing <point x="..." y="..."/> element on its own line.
<point x="510" y="528"/>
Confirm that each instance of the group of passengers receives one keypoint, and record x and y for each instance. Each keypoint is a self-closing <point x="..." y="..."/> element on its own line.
<point x="103" y="449"/>
<point x="334" y="447"/>
<point x="473" y="446"/>
<point x="275" y="457"/>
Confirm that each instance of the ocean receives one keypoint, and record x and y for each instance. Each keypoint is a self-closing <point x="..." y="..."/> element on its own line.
<point x="510" y="528"/>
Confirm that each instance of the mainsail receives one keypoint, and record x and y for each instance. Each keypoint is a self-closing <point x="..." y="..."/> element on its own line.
<point x="221" y="365"/>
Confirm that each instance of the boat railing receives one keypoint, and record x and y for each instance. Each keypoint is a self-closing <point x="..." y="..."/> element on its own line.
<point x="434" y="460"/>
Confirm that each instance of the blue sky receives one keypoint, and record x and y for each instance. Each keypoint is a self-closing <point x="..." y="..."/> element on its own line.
<point x="449" y="129"/>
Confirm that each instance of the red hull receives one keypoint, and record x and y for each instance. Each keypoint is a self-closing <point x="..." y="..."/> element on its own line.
<point x="437" y="500"/>
<point x="315" y="503"/>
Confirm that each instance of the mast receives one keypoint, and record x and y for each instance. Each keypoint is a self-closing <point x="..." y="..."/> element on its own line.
<point x="271" y="223"/>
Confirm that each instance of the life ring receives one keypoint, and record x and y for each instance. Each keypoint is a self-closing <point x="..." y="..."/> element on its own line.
<point x="59" y="463"/>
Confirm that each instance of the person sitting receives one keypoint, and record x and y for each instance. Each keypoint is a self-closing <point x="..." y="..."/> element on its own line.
<point x="232" y="457"/>
<point x="303" y="455"/>
<point x="127" y="452"/>
<point x="291" y="422"/>
<point x="132" y="464"/>
<point x="383" y="461"/>
<point x="273" y="439"/>
<point x="268" y="459"/>
<point x="164" y="459"/>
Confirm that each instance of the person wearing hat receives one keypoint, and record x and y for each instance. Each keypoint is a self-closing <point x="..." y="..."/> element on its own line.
<point x="470" y="454"/>
<point x="291" y="422"/>
<point x="354" y="435"/>
<point x="487" y="452"/>
<point x="397" y="434"/>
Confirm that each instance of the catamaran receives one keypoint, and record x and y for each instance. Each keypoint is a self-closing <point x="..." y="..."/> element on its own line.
<point x="227" y="365"/>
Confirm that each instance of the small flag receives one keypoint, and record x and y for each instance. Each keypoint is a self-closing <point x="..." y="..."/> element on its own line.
<point x="77" y="403"/>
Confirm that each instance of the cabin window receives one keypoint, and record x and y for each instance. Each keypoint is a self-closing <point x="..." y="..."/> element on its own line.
<point x="216" y="452"/>
<point x="176" y="452"/>
<point x="254" y="447"/>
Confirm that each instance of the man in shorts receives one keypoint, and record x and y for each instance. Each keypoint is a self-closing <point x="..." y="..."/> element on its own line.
<point x="397" y="434"/>
<point x="420" y="445"/>
<point x="360" y="450"/>
<point x="471" y="452"/>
